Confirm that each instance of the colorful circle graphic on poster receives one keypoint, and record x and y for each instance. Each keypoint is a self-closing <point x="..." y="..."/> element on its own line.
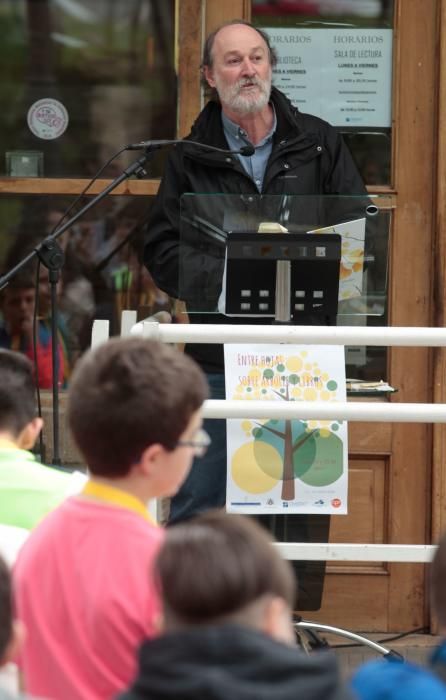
<point x="247" y="472"/>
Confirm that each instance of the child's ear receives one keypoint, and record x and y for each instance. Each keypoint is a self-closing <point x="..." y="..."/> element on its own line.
<point x="15" y="643"/>
<point x="277" y="620"/>
<point x="159" y="623"/>
<point x="150" y="459"/>
<point x="29" y="434"/>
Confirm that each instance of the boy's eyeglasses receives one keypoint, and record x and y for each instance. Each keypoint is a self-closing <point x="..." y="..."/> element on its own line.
<point x="200" y="443"/>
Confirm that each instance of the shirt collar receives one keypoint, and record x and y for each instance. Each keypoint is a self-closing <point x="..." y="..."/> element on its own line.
<point x="8" y="444"/>
<point x="116" y="497"/>
<point x="237" y="132"/>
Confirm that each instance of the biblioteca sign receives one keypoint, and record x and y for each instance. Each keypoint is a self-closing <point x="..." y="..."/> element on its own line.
<point x="341" y="75"/>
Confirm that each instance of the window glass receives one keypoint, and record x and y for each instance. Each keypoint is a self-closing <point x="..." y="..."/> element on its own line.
<point x="102" y="273"/>
<point x="81" y="80"/>
<point x="335" y="61"/>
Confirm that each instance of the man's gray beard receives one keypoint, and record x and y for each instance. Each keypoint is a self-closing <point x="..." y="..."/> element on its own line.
<point x="245" y="104"/>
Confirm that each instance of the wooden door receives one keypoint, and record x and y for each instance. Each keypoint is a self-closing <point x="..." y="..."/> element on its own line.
<point x="390" y="464"/>
<point x="439" y="431"/>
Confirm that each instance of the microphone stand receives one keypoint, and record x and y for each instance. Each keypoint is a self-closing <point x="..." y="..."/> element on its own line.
<point x="52" y="257"/>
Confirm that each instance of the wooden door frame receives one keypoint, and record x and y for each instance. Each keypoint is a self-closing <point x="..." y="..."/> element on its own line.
<point x="439" y="430"/>
<point x="410" y="293"/>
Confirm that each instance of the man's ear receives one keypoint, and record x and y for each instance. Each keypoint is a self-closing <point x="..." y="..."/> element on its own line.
<point x="208" y="74"/>
<point x="27" y="438"/>
<point x="15" y="643"/>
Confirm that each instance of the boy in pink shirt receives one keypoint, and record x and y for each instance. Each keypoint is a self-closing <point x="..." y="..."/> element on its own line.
<point x="81" y="579"/>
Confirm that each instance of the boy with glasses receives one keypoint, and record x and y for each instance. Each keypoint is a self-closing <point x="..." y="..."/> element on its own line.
<point x="134" y="409"/>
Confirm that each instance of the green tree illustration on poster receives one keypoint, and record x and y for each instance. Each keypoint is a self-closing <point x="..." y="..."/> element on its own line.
<point x="283" y="450"/>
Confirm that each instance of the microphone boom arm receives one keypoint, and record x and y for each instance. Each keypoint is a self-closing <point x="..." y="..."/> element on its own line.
<point x="246" y="150"/>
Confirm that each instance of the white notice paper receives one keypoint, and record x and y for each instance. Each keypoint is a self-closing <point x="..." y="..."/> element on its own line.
<point x="342" y="75"/>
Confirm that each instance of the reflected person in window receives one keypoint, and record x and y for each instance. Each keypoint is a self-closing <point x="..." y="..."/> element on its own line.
<point x="17" y="303"/>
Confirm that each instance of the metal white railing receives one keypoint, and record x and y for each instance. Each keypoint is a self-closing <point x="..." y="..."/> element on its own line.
<point x="322" y="551"/>
<point x="309" y="335"/>
<point x="364" y="411"/>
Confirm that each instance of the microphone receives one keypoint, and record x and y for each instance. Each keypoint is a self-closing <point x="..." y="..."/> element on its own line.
<point x="247" y="150"/>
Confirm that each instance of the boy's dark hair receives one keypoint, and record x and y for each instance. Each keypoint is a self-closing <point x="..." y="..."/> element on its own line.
<point x="128" y="394"/>
<point x="6" y="620"/>
<point x="215" y="566"/>
<point x="438" y="581"/>
<point x="17" y="391"/>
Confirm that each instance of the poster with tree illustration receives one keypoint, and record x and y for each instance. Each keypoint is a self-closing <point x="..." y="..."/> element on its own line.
<point x="286" y="466"/>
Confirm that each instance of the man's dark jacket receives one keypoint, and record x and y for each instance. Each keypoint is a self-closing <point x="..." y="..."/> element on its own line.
<point x="309" y="157"/>
<point x="229" y="662"/>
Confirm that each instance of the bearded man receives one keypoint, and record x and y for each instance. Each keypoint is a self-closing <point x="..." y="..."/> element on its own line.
<point x="293" y="154"/>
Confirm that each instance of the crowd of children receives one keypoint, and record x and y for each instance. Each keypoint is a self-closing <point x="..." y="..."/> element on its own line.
<point x="105" y="604"/>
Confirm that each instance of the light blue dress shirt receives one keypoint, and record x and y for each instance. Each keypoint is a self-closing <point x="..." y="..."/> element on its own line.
<point x="254" y="165"/>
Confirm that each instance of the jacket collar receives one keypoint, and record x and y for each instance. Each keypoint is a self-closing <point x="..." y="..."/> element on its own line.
<point x="208" y="129"/>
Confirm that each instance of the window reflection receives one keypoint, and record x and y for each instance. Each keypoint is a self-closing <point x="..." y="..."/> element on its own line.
<point x="372" y="9"/>
<point x="109" y="64"/>
<point x="370" y="144"/>
<point x="102" y="273"/>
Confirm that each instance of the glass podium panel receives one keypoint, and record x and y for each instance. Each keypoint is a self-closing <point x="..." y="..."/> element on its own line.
<point x="247" y="259"/>
<point x="234" y="249"/>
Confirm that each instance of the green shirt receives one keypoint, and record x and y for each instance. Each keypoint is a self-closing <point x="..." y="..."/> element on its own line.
<point x="29" y="489"/>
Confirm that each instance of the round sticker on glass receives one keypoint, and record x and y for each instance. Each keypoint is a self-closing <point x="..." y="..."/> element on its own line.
<point x="47" y="118"/>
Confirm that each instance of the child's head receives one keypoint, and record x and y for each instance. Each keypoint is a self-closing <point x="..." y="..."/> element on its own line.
<point x="17" y="303"/>
<point x="220" y="568"/>
<point x="6" y="620"/>
<point x="17" y="399"/>
<point x="11" y="632"/>
<point x="131" y="398"/>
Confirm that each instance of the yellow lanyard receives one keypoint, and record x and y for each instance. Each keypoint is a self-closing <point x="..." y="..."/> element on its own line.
<point x="6" y="444"/>
<point x="110" y="494"/>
